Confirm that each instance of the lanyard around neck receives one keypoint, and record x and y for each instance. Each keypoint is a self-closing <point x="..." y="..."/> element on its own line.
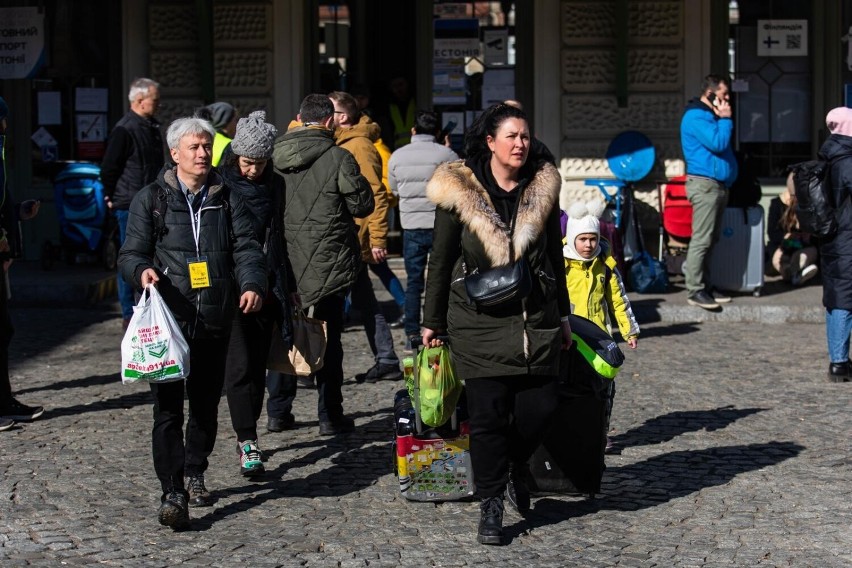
<point x="195" y="219"/>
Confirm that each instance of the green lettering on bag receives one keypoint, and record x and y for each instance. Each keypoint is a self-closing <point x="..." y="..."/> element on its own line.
<point x="152" y="375"/>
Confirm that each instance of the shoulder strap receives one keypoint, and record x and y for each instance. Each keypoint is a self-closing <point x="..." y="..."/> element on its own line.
<point x="159" y="206"/>
<point x="226" y="205"/>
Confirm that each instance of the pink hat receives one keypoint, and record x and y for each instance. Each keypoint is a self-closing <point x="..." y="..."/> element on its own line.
<point x="839" y="121"/>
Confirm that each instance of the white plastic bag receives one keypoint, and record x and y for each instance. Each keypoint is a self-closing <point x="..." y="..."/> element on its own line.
<point x="153" y="348"/>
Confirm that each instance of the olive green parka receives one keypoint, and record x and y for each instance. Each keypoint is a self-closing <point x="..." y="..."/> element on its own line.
<point x="324" y="192"/>
<point x="518" y="338"/>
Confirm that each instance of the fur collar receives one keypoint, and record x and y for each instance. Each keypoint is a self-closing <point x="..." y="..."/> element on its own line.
<point x="454" y="187"/>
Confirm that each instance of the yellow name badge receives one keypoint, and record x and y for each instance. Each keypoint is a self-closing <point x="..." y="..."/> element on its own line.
<point x="199" y="276"/>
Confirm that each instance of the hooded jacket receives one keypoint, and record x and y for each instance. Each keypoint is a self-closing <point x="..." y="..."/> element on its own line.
<point x="516" y="338"/>
<point x="597" y="290"/>
<point x="836" y="252"/>
<point x="225" y="238"/>
<point x="324" y="192"/>
<point x="359" y="140"/>
<point x="706" y="142"/>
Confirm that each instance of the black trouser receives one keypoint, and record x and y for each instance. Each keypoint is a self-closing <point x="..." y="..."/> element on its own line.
<point x="282" y="392"/>
<point x="508" y="418"/>
<point x="6" y="331"/>
<point x="245" y="370"/>
<point x="172" y="458"/>
<point x="330" y="377"/>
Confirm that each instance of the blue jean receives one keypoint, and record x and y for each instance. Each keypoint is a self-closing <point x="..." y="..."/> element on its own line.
<point x="416" y="246"/>
<point x="838" y="326"/>
<point x="390" y="282"/>
<point x="375" y="325"/>
<point x="125" y="290"/>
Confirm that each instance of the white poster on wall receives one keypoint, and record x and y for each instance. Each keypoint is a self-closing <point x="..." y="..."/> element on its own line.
<point x="782" y="38"/>
<point x="22" y="45"/>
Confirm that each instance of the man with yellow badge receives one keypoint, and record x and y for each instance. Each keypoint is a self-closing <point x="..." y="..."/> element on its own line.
<point x="192" y="237"/>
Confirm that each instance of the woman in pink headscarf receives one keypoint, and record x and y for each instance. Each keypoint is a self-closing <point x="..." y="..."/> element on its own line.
<point x="836" y="251"/>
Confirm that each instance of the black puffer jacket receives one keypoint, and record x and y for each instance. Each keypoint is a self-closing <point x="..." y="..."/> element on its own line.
<point x="324" y="191"/>
<point x="518" y="338"/>
<point x="226" y="238"/>
<point x="836" y="253"/>
<point x="264" y="198"/>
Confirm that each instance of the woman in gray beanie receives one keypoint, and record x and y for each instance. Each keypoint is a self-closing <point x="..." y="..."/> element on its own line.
<point x="246" y="170"/>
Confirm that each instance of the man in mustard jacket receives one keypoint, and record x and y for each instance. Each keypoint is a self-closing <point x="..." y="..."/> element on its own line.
<point x="357" y="134"/>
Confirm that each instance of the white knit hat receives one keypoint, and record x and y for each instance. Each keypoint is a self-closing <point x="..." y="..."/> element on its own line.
<point x="583" y="218"/>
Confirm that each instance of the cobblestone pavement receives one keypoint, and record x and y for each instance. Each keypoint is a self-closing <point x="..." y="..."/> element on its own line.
<point x="735" y="452"/>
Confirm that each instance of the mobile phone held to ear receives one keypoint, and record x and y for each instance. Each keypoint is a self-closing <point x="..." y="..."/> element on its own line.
<point x="711" y="98"/>
<point x="448" y="128"/>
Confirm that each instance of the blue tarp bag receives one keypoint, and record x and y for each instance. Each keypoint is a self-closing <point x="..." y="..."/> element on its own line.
<point x="648" y="275"/>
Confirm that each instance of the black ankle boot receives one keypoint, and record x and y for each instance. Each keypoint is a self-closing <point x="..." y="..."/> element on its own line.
<point x="839" y="372"/>
<point x="491" y="521"/>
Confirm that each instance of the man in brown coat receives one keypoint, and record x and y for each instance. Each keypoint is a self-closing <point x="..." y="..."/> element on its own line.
<point x="357" y="133"/>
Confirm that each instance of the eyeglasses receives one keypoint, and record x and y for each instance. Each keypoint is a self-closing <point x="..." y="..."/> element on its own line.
<point x="339" y="112"/>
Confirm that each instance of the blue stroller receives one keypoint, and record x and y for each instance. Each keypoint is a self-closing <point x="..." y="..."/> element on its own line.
<point x="88" y="232"/>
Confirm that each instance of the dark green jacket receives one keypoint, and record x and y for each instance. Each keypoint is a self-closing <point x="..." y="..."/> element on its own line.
<point x="324" y="191"/>
<point x="519" y="338"/>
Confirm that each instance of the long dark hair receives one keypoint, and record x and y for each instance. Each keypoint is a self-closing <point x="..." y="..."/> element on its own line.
<point x="487" y="124"/>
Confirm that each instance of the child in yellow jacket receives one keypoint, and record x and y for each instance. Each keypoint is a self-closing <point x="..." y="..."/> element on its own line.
<point x="594" y="284"/>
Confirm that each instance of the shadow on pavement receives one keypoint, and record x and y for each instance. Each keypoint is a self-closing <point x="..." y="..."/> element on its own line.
<point x="672" y="329"/>
<point x="669" y="426"/>
<point x="94" y="380"/>
<point x="355" y="467"/>
<point x="118" y="403"/>
<point x="659" y="480"/>
<point x="38" y="330"/>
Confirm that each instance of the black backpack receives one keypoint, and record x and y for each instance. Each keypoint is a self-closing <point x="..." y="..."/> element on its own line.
<point x="814" y="202"/>
<point x="745" y="192"/>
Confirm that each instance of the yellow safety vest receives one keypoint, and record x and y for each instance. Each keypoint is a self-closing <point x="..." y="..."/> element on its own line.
<point x="402" y="129"/>
<point x="220" y="142"/>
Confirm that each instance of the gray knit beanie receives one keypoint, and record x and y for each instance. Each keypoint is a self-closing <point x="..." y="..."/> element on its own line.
<point x="254" y="137"/>
<point x="221" y="114"/>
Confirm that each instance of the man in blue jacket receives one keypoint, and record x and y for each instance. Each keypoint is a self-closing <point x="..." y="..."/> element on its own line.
<point x="705" y="136"/>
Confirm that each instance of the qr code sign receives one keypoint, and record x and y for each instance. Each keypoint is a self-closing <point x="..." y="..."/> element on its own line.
<point x="794" y="41"/>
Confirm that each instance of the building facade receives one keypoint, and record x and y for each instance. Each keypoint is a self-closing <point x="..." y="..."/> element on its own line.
<point x="586" y="70"/>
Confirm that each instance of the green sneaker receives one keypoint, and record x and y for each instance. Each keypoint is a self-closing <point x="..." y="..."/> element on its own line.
<point x="251" y="458"/>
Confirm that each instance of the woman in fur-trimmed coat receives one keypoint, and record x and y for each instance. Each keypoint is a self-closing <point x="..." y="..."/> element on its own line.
<point x="508" y="355"/>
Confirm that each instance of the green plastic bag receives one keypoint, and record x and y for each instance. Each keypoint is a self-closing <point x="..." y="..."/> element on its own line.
<point x="434" y="387"/>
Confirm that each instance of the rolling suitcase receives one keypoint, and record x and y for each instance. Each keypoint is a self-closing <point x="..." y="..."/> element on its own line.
<point x="432" y="464"/>
<point x="570" y="459"/>
<point x="736" y="261"/>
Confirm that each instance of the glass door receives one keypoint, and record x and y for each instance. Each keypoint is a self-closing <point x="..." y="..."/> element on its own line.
<point x="771" y="82"/>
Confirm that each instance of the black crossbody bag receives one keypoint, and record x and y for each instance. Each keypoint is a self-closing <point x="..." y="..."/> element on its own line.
<point x="503" y="283"/>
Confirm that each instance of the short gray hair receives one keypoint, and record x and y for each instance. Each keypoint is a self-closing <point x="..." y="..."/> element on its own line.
<point x="187" y="127"/>
<point x="141" y="88"/>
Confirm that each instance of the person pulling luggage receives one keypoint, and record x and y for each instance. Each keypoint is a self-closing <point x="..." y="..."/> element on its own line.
<point x="497" y="212"/>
